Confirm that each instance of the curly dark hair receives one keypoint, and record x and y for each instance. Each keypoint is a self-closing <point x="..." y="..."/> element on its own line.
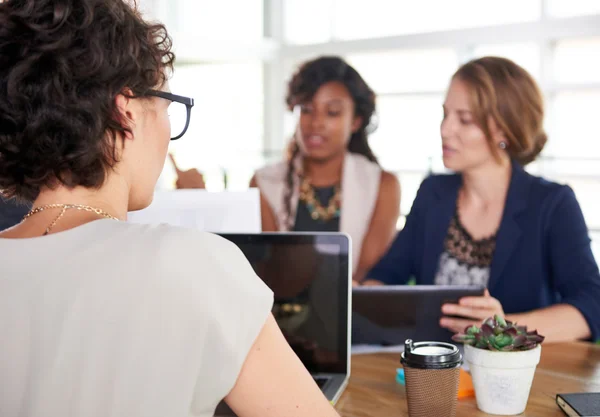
<point x="304" y="85"/>
<point x="62" y="64"/>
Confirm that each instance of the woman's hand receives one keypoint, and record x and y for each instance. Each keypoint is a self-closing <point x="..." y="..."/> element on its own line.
<point x="191" y="178"/>
<point x="472" y="310"/>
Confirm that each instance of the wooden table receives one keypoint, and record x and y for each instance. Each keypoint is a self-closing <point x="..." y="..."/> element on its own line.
<point x="564" y="368"/>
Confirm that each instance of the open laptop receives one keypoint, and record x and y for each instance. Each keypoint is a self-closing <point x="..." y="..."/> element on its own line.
<point x="310" y="276"/>
<point x="388" y="315"/>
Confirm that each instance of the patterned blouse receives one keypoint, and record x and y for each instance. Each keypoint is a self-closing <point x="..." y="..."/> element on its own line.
<point x="465" y="261"/>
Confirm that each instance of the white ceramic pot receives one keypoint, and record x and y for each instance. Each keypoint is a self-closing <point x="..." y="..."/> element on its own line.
<point x="502" y="380"/>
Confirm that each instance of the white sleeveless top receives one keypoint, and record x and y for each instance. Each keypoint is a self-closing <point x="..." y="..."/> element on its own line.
<point x="360" y="189"/>
<point x="112" y="319"/>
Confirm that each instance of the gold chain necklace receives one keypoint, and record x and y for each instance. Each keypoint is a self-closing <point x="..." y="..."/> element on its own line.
<point x="317" y="211"/>
<point x="64" y="208"/>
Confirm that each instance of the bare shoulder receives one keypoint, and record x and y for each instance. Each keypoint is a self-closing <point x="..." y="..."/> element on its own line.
<point x="253" y="182"/>
<point x="272" y="173"/>
<point x="389" y="184"/>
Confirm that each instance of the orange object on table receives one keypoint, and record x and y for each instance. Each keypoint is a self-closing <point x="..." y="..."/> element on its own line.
<point x="465" y="385"/>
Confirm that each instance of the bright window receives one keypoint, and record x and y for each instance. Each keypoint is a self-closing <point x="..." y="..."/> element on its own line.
<point x="406" y="70"/>
<point x="577" y="60"/>
<point x="573" y="125"/>
<point x="226" y="129"/>
<point x="222" y="20"/>
<point x="409" y="131"/>
<point x="316" y="21"/>
<point x="307" y="21"/>
<point x="357" y="19"/>
<point x="568" y="8"/>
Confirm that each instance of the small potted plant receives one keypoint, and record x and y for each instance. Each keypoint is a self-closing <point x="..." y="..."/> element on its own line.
<point x="502" y="358"/>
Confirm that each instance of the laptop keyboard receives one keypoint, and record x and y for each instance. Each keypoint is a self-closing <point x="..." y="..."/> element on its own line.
<point x="321" y="381"/>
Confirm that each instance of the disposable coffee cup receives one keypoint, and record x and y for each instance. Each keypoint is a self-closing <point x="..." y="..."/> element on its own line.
<point x="431" y="372"/>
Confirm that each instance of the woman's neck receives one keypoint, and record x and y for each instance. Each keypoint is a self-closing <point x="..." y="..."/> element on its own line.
<point x="324" y="173"/>
<point x="487" y="185"/>
<point x="109" y="198"/>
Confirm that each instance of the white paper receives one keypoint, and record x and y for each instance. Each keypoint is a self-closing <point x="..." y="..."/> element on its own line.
<point x="218" y="212"/>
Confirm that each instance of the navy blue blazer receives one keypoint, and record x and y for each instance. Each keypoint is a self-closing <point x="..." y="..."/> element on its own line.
<point x="11" y="213"/>
<point x="543" y="253"/>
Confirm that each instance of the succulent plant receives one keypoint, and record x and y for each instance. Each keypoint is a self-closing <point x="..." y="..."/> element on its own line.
<point x="499" y="334"/>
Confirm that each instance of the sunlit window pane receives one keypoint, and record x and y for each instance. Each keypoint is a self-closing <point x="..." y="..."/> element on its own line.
<point x="567" y="8"/>
<point x="409" y="131"/>
<point x="222" y="19"/>
<point x="356" y="19"/>
<point x="577" y="60"/>
<point x="226" y="128"/>
<point x="406" y="70"/>
<point x="307" y="21"/>
<point x="526" y="55"/>
<point x="573" y="125"/>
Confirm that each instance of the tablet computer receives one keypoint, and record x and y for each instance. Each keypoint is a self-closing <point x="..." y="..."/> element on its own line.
<point x="388" y="315"/>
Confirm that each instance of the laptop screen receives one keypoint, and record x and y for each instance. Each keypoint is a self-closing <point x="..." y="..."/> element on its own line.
<point x="309" y="275"/>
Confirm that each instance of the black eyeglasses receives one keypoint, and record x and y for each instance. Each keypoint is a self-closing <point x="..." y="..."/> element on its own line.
<point x="180" y="111"/>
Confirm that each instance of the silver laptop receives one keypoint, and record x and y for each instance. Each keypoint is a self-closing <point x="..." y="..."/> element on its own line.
<point x="310" y="275"/>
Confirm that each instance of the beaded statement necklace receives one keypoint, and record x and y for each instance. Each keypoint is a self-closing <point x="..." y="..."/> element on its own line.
<point x="316" y="209"/>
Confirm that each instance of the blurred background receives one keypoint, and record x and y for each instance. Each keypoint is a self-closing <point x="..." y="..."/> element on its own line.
<point x="236" y="56"/>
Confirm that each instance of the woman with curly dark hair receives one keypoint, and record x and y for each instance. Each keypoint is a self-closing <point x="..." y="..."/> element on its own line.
<point x="331" y="180"/>
<point x="100" y="317"/>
